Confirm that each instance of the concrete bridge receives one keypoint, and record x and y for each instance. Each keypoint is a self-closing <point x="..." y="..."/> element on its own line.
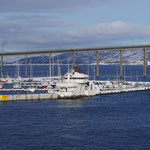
<point x="74" y="51"/>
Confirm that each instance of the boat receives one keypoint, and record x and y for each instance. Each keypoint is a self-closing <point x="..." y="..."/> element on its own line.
<point x="17" y="85"/>
<point x="72" y="83"/>
<point x="31" y="89"/>
<point x="44" y="84"/>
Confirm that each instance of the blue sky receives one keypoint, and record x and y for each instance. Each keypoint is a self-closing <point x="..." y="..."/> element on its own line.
<point x="57" y="24"/>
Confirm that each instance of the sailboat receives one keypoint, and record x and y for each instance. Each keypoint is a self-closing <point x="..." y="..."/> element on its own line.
<point x="18" y="78"/>
<point x="16" y="83"/>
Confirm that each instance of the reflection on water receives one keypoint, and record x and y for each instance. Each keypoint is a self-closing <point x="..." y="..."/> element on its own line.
<point x="69" y="103"/>
<point x="3" y="102"/>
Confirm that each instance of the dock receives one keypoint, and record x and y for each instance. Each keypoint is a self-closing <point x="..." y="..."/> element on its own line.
<point x="54" y="95"/>
<point x="28" y="97"/>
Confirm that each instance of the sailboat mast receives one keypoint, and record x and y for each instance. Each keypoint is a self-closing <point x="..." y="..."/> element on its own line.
<point x="30" y="69"/>
<point x="18" y="68"/>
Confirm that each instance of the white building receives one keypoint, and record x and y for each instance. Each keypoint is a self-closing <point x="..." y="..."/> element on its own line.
<point x="75" y="83"/>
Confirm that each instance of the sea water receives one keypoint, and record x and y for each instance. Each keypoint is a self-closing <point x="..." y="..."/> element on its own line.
<point x="105" y="122"/>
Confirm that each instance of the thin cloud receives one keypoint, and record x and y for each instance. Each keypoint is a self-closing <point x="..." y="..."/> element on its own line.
<point x="26" y="36"/>
<point x="49" y="5"/>
<point x="115" y="30"/>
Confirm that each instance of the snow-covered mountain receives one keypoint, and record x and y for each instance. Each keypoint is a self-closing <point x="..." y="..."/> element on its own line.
<point x="129" y="57"/>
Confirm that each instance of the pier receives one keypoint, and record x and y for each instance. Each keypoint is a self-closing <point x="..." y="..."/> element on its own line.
<point x="108" y="88"/>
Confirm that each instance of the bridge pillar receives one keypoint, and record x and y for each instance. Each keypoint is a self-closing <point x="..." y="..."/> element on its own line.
<point x="26" y="66"/>
<point x="2" y="75"/>
<point x="97" y="62"/>
<point x="121" y="62"/>
<point x="50" y="66"/>
<point x="74" y="64"/>
<point x="145" y="62"/>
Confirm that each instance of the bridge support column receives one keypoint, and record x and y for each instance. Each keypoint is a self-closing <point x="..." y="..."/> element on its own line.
<point x="121" y="62"/>
<point x="50" y="66"/>
<point x="145" y="62"/>
<point x="2" y="75"/>
<point x="74" y="64"/>
<point x="97" y="62"/>
<point x="26" y="66"/>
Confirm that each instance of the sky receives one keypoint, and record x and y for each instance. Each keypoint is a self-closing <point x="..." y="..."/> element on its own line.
<point x="28" y="25"/>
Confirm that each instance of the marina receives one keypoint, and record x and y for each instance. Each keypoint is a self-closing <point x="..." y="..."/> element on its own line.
<point x="74" y="84"/>
<point x="74" y="75"/>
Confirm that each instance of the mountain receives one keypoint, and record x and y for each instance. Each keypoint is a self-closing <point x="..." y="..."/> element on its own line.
<point x="129" y="56"/>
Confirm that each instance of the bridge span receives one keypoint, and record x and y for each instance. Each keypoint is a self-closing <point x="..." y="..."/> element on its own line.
<point x="74" y="51"/>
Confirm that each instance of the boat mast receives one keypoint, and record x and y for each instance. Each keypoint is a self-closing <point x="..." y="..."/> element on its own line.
<point x="30" y="68"/>
<point x="18" y="68"/>
<point x="68" y="65"/>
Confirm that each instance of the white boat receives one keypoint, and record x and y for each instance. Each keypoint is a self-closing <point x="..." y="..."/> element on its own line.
<point x="31" y="89"/>
<point x="73" y="83"/>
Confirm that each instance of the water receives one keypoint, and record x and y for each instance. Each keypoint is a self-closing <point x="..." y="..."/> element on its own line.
<point x="103" y="122"/>
<point x="107" y="122"/>
<point x="107" y="72"/>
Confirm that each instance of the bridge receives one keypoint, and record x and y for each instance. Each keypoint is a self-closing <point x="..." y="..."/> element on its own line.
<point x="74" y="51"/>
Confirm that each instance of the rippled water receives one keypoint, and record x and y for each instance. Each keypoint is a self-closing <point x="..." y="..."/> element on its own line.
<point x="104" y="122"/>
